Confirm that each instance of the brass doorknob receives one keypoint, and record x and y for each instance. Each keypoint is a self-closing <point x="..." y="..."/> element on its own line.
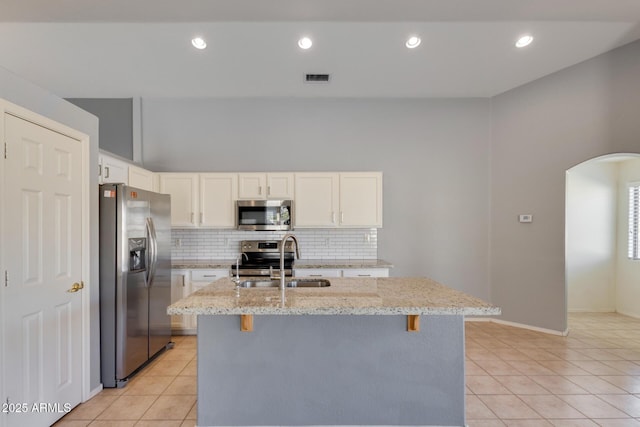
<point x="76" y="287"/>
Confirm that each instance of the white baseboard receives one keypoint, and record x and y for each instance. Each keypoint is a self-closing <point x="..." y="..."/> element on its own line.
<point x="518" y="325"/>
<point x="94" y="392"/>
<point x="624" y="313"/>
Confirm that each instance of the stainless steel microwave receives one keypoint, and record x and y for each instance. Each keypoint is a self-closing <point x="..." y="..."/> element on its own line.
<point x="264" y="215"/>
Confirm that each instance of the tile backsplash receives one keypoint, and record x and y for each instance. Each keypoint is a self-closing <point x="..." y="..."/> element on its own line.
<point x="326" y="244"/>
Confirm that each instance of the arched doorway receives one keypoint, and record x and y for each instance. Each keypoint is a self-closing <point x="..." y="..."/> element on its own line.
<point x="599" y="277"/>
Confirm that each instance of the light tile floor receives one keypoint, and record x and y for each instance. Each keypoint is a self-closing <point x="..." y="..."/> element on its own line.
<point x="515" y="377"/>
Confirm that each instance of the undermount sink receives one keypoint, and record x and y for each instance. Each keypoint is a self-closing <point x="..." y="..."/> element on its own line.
<point x="293" y="283"/>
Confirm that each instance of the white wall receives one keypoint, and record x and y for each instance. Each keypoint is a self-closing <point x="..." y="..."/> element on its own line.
<point x="628" y="281"/>
<point x="434" y="155"/>
<point x="591" y="227"/>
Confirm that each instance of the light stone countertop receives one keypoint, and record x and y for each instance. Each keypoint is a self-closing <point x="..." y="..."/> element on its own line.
<point x="299" y="263"/>
<point x="196" y="264"/>
<point x="341" y="263"/>
<point x="356" y="296"/>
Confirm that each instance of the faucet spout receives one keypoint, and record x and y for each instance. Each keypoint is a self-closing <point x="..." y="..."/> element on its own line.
<point x="282" y="245"/>
<point x="238" y="265"/>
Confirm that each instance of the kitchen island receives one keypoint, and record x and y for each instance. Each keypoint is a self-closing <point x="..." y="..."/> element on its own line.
<point x="363" y="351"/>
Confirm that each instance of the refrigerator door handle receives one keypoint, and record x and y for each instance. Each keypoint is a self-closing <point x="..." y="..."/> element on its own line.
<point x="153" y="251"/>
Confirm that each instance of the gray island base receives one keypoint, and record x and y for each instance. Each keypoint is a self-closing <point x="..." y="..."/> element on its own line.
<point x="342" y="357"/>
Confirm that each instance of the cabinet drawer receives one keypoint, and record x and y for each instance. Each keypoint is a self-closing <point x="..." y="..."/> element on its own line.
<point x="317" y="272"/>
<point x="365" y="272"/>
<point x="208" y="275"/>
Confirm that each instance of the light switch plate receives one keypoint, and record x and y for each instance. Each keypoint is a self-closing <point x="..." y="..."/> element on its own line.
<point x="525" y="218"/>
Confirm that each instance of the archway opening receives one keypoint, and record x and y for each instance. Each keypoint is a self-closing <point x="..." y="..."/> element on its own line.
<point x="600" y="275"/>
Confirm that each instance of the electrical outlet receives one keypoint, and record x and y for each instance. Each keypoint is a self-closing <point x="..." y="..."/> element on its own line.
<point x="178" y="243"/>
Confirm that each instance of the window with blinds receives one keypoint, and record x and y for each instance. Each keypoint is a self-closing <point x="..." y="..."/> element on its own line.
<point x="634" y="220"/>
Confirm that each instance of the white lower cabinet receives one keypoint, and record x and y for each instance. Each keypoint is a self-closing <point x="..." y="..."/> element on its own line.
<point x="183" y="284"/>
<point x="345" y="272"/>
<point x="179" y="283"/>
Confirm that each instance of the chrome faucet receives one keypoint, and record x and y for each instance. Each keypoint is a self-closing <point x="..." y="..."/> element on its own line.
<point x="282" y="245"/>
<point x="238" y="266"/>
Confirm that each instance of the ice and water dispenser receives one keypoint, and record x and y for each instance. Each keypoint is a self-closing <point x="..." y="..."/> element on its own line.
<point x="137" y="254"/>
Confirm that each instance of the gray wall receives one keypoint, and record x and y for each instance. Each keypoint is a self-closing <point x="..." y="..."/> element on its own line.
<point x="541" y="130"/>
<point x="116" y="122"/>
<point x="434" y="155"/>
<point x="20" y="92"/>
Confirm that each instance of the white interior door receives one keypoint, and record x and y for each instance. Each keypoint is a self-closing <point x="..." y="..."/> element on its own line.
<point x="42" y="241"/>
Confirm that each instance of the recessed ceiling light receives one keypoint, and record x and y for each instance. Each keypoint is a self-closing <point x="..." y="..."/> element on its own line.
<point x="198" y="43"/>
<point x="413" y="42"/>
<point x="305" y="43"/>
<point x="524" y="40"/>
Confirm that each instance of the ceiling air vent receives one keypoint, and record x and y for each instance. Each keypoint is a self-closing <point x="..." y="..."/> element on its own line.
<point x="316" y="78"/>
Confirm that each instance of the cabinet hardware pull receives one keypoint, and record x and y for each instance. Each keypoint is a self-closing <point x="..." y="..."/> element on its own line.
<point x="315" y="275"/>
<point x="183" y="281"/>
<point x="210" y="275"/>
<point x="106" y="170"/>
<point x="192" y="221"/>
<point x="333" y="217"/>
<point x="364" y="275"/>
<point x="341" y="217"/>
<point x="260" y="190"/>
<point x="268" y="190"/>
<point x="201" y="217"/>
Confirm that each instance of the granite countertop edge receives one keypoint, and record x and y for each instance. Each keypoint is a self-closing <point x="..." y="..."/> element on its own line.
<point x="303" y="263"/>
<point x="345" y="296"/>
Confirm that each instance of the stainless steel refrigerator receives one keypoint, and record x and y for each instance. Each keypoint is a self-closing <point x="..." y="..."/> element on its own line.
<point x="135" y="279"/>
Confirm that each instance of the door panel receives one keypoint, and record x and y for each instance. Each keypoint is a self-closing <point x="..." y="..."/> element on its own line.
<point x="42" y="241"/>
<point x="136" y="339"/>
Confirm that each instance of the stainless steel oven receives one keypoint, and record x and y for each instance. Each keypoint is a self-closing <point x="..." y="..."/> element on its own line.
<point x="264" y="215"/>
<point x="262" y="258"/>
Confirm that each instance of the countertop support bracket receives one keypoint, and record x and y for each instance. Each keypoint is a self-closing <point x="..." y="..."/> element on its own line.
<point x="246" y="322"/>
<point x="413" y="323"/>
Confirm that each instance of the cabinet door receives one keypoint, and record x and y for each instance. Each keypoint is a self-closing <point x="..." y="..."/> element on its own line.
<point x="201" y="279"/>
<point x="218" y="193"/>
<point x="113" y="171"/>
<point x="280" y="186"/>
<point x="178" y="291"/>
<point x="252" y="186"/>
<point x="183" y="188"/>
<point x="361" y="199"/>
<point x="316" y="200"/>
<point x="365" y="272"/>
<point x="141" y="178"/>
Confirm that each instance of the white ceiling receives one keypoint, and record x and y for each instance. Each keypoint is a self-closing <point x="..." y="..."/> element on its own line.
<point x="124" y="48"/>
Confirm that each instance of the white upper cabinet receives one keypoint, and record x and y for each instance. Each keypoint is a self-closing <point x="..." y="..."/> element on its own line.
<point x="349" y="200"/>
<point x="280" y="186"/>
<point x="142" y="178"/>
<point x="183" y="188"/>
<point x="316" y="200"/>
<point x="261" y="186"/>
<point x="218" y="194"/>
<point x="361" y="199"/>
<point x="112" y="170"/>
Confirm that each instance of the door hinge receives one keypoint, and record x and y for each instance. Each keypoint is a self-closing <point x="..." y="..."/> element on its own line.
<point x="6" y="278"/>
<point x="5" y="149"/>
